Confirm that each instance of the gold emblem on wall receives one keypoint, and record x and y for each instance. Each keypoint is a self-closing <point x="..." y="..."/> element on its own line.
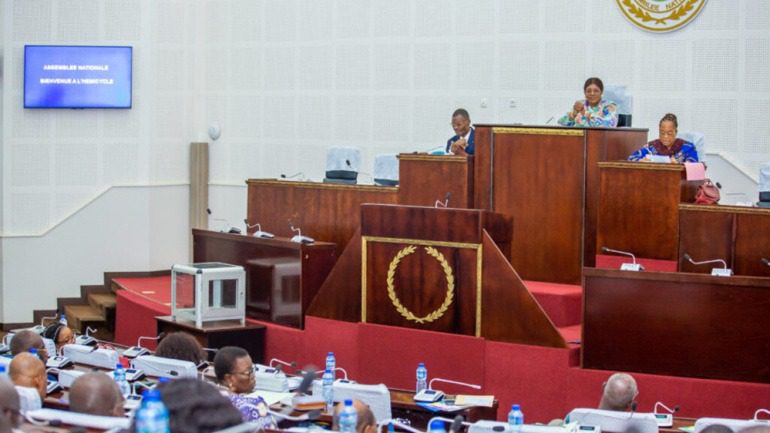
<point x="450" y="282"/>
<point x="660" y="15"/>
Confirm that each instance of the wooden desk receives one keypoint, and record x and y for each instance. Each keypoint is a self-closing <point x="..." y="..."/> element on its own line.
<point x="677" y="324"/>
<point x="325" y="212"/>
<point x="403" y="406"/>
<point x="738" y="235"/>
<point x="424" y="179"/>
<point x="220" y="333"/>
<point x="282" y="277"/>
<point x="638" y="207"/>
<point x="547" y="180"/>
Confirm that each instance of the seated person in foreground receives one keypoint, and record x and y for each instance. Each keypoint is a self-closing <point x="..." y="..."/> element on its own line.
<point x="60" y="334"/>
<point x="195" y="406"/>
<point x="678" y="150"/>
<point x="464" y="140"/>
<point x="235" y="375"/>
<point x="181" y="346"/>
<point x="593" y="110"/>
<point x="365" y="421"/>
<point x="9" y="404"/>
<point x="27" y="373"/>
<point x="96" y="393"/>
<point x="619" y="392"/>
<point x="27" y="339"/>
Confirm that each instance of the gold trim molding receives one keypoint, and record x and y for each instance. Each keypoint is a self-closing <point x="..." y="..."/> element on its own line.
<point x="571" y="132"/>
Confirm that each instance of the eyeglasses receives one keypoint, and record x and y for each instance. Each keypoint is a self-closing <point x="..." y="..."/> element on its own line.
<point x="247" y="373"/>
<point x="667" y="133"/>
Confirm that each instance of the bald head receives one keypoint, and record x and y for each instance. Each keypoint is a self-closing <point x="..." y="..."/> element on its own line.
<point x="366" y="423"/>
<point x="96" y="394"/>
<point x="24" y="340"/>
<point x="619" y="392"/>
<point x="9" y="402"/>
<point x="28" y="370"/>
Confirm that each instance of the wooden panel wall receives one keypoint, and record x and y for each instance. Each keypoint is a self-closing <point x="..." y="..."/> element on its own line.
<point x="325" y="212"/>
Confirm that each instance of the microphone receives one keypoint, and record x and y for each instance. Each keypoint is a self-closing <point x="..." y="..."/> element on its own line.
<point x="457" y="423"/>
<point x="549" y="120"/>
<point x="668" y="409"/>
<point x="626" y="266"/>
<point x="86" y="339"/>
<point x="344" y="372"/>
<point x="230" y="229"/>
<point x="307" y="381"/>
<point x="634" y="404"/>
<point x="431" y="395"/>
<point x="258" y="233"/>
<point x="281" y="363"/>
<point x="299" y="238"/>
<point x="765" y="261"/>
<point x="397" y="423"/>
<point x="298" y="174"/>
<point x="445" y="203"/>
<point x="717" y="272"/>
<point x="138" y="350"/>
<point x="664" y="419"/>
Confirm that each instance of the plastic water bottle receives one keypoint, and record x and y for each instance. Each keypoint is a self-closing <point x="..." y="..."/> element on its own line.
<point x="515" y="419"/>
<point x="33" y="351"/>
<point x="422" y="377"/>
<point x="331" y="363"/>
<point x="3" y="372"/>
<point x="436" y="426"/>
<point x="348" y="418"/>
<point x="328" y="389"/>
<point x="63" y="319"/>
<point x="120" y="378"/>
<point x="152" y="416"/>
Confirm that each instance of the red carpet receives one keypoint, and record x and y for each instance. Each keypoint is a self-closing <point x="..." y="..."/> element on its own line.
<point x="563" y="303"/>
<point x="546" y="382"/>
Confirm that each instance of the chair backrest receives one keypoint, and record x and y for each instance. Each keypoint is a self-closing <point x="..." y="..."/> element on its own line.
<point x="386" y="169"/>
<point x="621" y="97"/>
<point x="613" y="421"/>
<point x="764" y="176"/>
<point x="696" y="138"/>
<point x="343" y="162"/>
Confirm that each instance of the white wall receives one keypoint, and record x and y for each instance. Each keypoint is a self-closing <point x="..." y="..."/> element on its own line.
<point x="106" y="235"/>
<point x="287" y="78"/>
<point x="55" y="162"/>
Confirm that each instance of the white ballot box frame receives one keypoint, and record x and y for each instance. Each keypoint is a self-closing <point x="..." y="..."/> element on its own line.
<point x="206" y="309"/>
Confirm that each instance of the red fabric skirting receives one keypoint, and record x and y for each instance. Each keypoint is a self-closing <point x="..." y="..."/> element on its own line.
<point x="546" y="382"/>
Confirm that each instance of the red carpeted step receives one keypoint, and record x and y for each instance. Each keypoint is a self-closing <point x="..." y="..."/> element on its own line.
<point x="563" y="303"/>
<point x="571" y="334"/>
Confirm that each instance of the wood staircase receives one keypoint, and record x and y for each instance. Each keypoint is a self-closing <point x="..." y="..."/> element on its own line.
<point x="94" y="308"/>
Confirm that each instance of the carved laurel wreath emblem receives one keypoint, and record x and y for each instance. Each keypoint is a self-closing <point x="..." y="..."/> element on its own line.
<point x="675" y="15"/>
<point x="680" y="12"/>
<point x="450" y="283"/>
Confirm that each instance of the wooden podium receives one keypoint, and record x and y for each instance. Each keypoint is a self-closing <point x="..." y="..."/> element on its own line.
<point x="282" y="277"/>
<point x="547" y="180"/>
<point x="423" y="179"/>
<point x="639" y="207"/>
<point x="738" y="235"/>
<point x="434" y="269"/>
<point x="677" y="324"/>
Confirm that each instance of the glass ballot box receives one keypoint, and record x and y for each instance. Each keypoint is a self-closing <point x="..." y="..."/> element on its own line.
<point x="206" y="292"/>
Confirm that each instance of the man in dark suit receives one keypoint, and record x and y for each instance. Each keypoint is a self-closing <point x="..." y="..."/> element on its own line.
<point x="463" y="142"/>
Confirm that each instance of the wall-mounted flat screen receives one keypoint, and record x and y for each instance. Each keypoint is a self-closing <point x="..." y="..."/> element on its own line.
<point x="57" y="76"/>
